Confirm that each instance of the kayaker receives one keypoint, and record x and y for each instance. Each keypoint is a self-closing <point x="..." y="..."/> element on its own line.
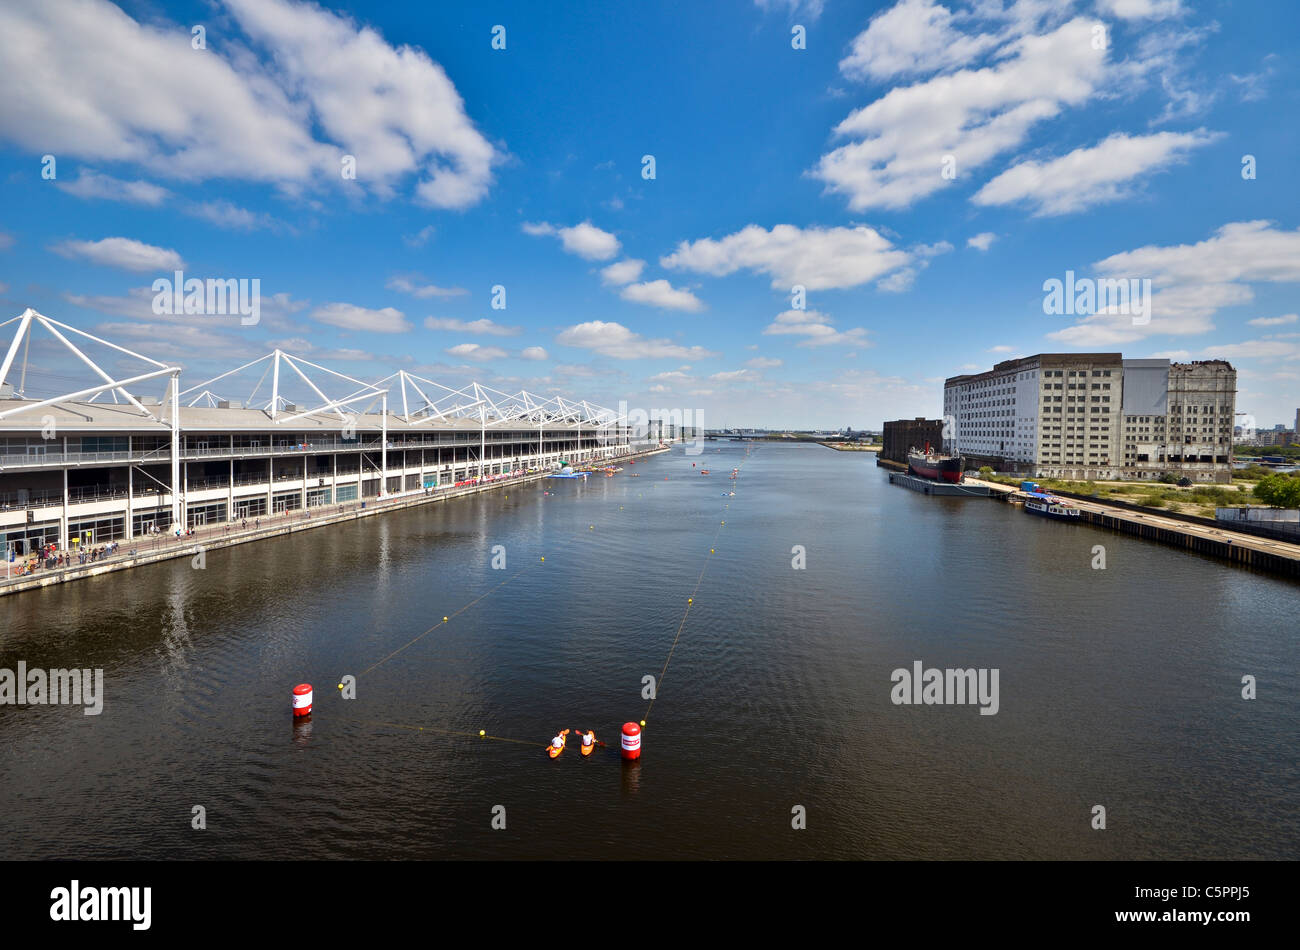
<point x="588" y="737"/>
<point x="558" y="741"/>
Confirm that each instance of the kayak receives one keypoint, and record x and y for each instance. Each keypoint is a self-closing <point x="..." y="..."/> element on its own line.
<point x="554" y="752"/>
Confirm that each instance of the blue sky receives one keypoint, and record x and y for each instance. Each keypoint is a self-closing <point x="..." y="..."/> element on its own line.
<point x="921" y="168"/>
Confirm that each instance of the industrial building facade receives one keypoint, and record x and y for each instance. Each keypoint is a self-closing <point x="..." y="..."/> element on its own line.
<point x="77" y="471"/>
<point x="903" y="434"/>
<point x="1095" y="416"/>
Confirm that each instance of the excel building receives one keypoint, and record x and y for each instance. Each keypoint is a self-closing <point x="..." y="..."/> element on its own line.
<point x="104" y="460"/>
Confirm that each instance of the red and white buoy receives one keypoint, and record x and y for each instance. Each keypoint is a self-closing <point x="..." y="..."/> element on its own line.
<point x="631" y="741"/>
<point x="302" y="699"/>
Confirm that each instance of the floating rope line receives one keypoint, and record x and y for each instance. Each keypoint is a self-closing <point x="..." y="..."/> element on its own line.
<point x="450" y="732"/>
<point x="447" y="619"/>
<point x="690" y="602"/>
<point x="482" y="734"/>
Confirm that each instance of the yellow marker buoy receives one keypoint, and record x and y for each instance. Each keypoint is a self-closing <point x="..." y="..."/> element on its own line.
<point x="482" y="732"/>
<point x="444" y="619"/>
<point x="690" y="600"/>
<point x="340" y="685"/>
<point x="710" y="550"/>
<point x="643" y="723"/>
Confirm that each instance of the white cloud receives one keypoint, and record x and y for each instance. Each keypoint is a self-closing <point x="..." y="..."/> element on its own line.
<point x="1166" y="55"/>
<point x="87" y="81"/>
<point x="1192" y="282"/>
<point x="585" y="240"/>
<point x="902" y="280"/>
<point x="1171" y="355"/>
<point x="1141" y="9"/>
<point x="420" y="237"/>
<point x="622" y="272"/>
<point x="123" y="253"/>
<point x="1273" y="321"/>
<point x="763" y="362"/>
<point x="395" y="109"/>
<point x="618" y="342"/>
<point x="476" y="352"/>
<point x="534" y="353"/>
<point x="926" y="251"/>
<point x="409" y="285"/>
<point x="982" y="241"/>
<point x="182" y="342"/>
<point x="350" y="317"/>
<point x="812" y="9"/>
<point x="277" y="310"/>
<point x="1254" y="86"/>
<point x="735" y="376"/>
<point x="972" y="115"/>
<point x="1001" y="349"/>
<point x="1090" y="176"/>
<point x="898" y="281"/>
<point x="137" y="304"/>
<point x="485" y="327"/>
<point x="224" y="214"/>
<point x="817" y="329"/>
<point x="660" y="293"/>
<point x="91" y="184"/>
<point x="1255" y="349"/>
<point x="817" y="258"/>
<point x="913" y="37"/>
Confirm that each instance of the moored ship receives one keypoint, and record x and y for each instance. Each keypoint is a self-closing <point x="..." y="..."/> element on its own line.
<point x="1049" y="506"/>
<point x="927" y="464"/>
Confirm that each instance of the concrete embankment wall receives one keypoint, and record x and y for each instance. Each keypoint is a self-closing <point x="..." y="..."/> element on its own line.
<point x="1281" y="561"/>
<point x="215" y="537"/>
<point x="1241" y="527"/>
<point x="1237" y="553"/>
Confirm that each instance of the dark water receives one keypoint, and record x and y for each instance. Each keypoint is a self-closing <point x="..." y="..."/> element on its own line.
<point x="1119" y="687"/>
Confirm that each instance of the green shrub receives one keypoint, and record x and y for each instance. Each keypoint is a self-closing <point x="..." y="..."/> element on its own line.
<point x="1278" y="490"/>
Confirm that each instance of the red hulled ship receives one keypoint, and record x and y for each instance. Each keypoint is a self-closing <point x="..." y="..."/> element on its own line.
<point x="927" y="464"/>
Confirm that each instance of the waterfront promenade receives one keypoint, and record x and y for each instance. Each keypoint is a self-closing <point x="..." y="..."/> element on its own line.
<point x="1239" y="547"/>
<point x="153" y="548"/>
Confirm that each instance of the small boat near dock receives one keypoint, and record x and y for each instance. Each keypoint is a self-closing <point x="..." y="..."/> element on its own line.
<point x="1046" y="505"/>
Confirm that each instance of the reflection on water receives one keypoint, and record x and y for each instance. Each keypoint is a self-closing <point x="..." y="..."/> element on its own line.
<point x="1118" y="686"/>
